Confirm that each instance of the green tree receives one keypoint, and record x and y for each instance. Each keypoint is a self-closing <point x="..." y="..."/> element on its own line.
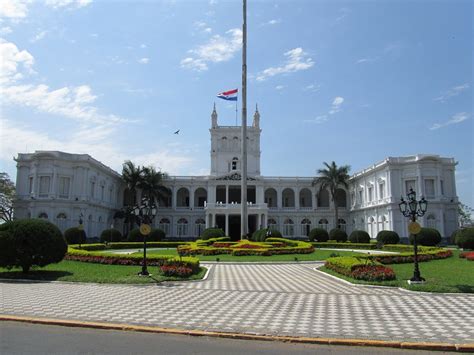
<point x="7" y="194"/>
<point x="132" y="176"/>
<point x="151" y="184"/>
<point x="464" y="212"/>
<point x="333" y="178"/>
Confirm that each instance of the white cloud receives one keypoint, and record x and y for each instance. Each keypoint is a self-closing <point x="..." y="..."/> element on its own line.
<point x="367" y="60"/>
<point x="343" y="14"/>
<point x="296" y="60"/>
<point x="56" y="4"/>
<point x="312" y="87"/>
<point x="336" y="105"/>
<point x="454" y="91"/>
<point x="5" y="30"/>
<point x="457" y="118"/>
<point x="144" y="60"/>
<point x="14" y="9"/>
<point x="38" y="36"/>
<point x="318" y="119"/>
<point x="14" y="62"/>
<point x="279" y="87"/>
<point x="271" y="22"/>
<point x="217" y="49"/>
<point x="143" y="45"/>
<point x="94" y="35"/>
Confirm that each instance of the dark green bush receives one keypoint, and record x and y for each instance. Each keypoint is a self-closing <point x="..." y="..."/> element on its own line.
<point x="110" y="235"/>
<point x="452" y="238"/>
<point x="212" y="233"/>
<point x="318" y="234"/>
<point x="261" y="234"/>
<point x="338" y="234"/>
<point x="427" y="237"/>
<point x="155" y="235"/>
<point x="388" y="237"/>
<point x="75" y="235"/>
<point x="465" y="238"/>
<point x="359" y="236"/>
<point x="30" y="242"/>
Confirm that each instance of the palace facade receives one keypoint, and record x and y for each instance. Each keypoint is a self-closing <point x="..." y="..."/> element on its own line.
<point x="65" y="188"/>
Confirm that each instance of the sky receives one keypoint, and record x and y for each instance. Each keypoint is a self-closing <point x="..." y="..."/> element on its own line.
<point x="349" y="81"/>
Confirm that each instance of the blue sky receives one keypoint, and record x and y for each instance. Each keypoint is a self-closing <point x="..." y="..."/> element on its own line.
<point x="354" y="82"/>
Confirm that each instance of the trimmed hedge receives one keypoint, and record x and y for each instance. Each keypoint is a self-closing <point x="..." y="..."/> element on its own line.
<point x="388" y="237"/>
<point x="127" y="245"/>
<point x="360" y="268"/>
<point x="212" y="233"/>
<point x="318" y="234"/>
<point x="359" y="236"/>
<point x="338" y="234"/>
<point x="28" y="242"/>
<point x="261" y="234"/>
<point x="427" y="237"/>
<point x="465" y="238"/>
<point x="75" y="235"/>
<point x="346" y="245"/>
<point x="110" y="235"/>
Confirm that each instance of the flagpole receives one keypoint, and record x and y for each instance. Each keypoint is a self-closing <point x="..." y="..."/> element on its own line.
<point x="243" y="217"/>
<point x="236" y="112"/>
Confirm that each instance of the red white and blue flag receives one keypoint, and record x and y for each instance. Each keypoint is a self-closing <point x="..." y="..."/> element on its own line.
<point x="230" y="95"/>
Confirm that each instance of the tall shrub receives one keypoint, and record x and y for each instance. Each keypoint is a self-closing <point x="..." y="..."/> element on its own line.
<point x="155" y="235"/>
<point x="359" y="236"/>
<point x="465" y="238"/>
<point x="388" y="237"/>
<point x="319" y="235"/>
<point x="212" y="233"/>
<point x="30" y="242"/>
<point x="338" y="234"/>
<point x="75" y="235"/>
<point x="427" y="237"/>
<point x="110" y="235"/>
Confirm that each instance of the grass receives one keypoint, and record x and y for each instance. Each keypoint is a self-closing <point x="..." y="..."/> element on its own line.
<point x="447" y="275"/>
<point x="76" y="271"/>
<point x="316" y="255"/>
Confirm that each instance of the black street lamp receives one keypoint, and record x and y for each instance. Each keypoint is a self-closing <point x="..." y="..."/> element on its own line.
<point x="144" y="215"/>
<point x="412" y="209"/>
<point x="268" y="234"/>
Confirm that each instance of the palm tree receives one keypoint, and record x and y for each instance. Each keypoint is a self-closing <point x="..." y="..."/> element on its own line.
<point x="152" y="186"/>
<point x="132" y="176"/>
<point x="333" y="177"/>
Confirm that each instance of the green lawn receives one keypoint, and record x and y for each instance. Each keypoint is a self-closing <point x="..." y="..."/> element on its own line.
<point x="447" y="275"/>
<point x="316" y="255"/>
<point x="88" y="272"/>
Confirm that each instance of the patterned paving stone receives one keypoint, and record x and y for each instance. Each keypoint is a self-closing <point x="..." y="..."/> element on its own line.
<point x="290" y="299"/>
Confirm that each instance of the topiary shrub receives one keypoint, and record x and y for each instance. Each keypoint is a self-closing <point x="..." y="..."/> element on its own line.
<point x="465" y="238"/>
<point x="319" y="235"/>
<point x="28" y="242"/>
<point x="261" y="234"/>
<point x="427" y="237"/>
<point x="156" y="235"/>
<point x="388" y="237"/>
<point x="338" y="235"/>
<point x="75" y="235"/>
<point x="359" y="236"/>
<point x="212" y="233"/>
<point x="452" y="238"/>
<point x="110" y="235"/>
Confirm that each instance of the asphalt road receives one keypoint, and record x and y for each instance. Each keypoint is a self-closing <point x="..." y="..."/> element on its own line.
<point x="23" y="338"/>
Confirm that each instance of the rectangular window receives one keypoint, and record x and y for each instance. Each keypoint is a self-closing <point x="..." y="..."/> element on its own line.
<point x="371" y="193"/>
<point x="361" y="195"/>
<point x="381" y="191"/>
<point x="30" y="185"/>
<point x="44" y="186"/>
<point x="64" y="183"/>
<point x="410" y="184"/>
<point x="102" y="193"/>
<point x="442" y="187"/>
<point x="429" y="188"/>
<point x="92" y="188"/>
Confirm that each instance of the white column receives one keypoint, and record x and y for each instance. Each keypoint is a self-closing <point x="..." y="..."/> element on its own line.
<point x="213" y="220"/>
<point x="259" y="216"/>
<point x="191" y="197"/>
<point x="54" y="183"/>
<point x="226" y="224"/>
<point x="226" y="194"/>
<point x="297" y="198"/>
<point x="279" y="197"/>
<point x="173" y="198"/>
<point x="314" y="201"/>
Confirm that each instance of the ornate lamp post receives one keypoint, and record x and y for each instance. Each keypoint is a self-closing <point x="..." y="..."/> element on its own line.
<point x="144" y="215"/>
<point x="268" y="234"/>
<point x="412" y="209"/>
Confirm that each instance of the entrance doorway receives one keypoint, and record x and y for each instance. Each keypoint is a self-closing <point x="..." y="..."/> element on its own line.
<point x="234" y="227"/>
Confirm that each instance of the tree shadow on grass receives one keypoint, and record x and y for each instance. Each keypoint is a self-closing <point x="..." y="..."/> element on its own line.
<point x="465" y="288"/>
<point x="34" y="275"/>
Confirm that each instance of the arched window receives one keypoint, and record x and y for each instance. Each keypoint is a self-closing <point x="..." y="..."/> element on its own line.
<point x="305" y="226"/>
<point x="271" y="223"/>
<point x="182" y="227"/>
<point x="323" y="198"/>
<point x="371" y="227"/>
<point x="288" y="196"/>
<point x="164" y="225"/>
<point x="235" y="161"/>
<point x="288" y="227"/>
<point x="305" y="199"/>
<point x="323" y="223"/>
<point x="431" y="221"/>
<point x="200" y="197"/>
<point x="341" y="198"/>
<point x="271" y="198"/>
<point x="61" y="221"/>
<point x="183" y="198"/>
<point x="341" y="223"/>
<point x="199" y="226"/>
<point x="43" y="215"/>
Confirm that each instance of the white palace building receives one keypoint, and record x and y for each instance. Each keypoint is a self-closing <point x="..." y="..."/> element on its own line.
<point x="63" y="188"/>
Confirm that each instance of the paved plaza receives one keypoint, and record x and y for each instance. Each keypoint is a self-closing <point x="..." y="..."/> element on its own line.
<point x="272" y="299"/>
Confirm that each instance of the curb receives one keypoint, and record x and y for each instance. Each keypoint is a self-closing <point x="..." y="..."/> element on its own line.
<point x="243" y="336"/>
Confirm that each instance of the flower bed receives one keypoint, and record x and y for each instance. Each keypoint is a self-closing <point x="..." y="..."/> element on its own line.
<point x="469" y="255"/>
<point x="345" y="245"/>
<point x="126" y="245"/>
<point x="99" y="258"/>
<point x="403" y="258"/>
<point x="360" y="268"/>
<point x="274" y="246"/>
